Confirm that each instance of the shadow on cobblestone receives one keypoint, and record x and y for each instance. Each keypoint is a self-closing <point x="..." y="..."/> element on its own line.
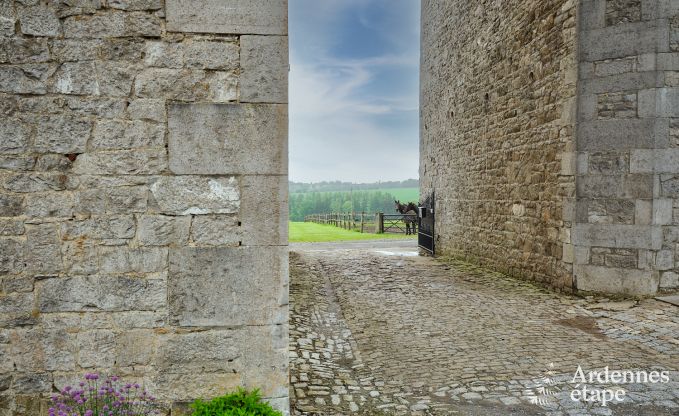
<point x="383" y="334"/>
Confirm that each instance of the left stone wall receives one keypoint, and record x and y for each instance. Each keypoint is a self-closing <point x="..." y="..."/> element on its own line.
<point x="143" y="197"/>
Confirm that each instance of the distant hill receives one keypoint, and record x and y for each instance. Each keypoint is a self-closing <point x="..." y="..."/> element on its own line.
<point x="337" y="186"/>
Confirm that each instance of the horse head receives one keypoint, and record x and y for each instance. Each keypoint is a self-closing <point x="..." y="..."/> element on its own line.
<point x="398" y="206"/>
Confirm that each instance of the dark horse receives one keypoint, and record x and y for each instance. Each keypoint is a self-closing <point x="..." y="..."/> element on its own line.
<point x="411" y="209"/>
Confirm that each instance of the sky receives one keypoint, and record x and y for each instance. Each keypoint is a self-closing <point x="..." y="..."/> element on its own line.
<point x="354" y="90"/>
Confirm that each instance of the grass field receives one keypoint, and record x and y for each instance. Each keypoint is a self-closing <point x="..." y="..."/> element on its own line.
<point x="307" y="232"/>
<point x="403" y="194"/>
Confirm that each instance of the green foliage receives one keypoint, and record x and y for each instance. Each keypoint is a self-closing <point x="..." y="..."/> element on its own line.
<point x="337" y="186"/>
<point x="240" y="403"/>
<point x="370" y="201"/>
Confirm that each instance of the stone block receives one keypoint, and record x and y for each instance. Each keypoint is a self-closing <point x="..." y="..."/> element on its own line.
<point x="14" y="136"/>
<point x="135" y="348"/>
<point x="614" y="235"/>
<point x="39" y="182"/>
<point x="160" y="230"/>
<point x="66" y="50"/>
<point x="669" y="280"/>
<point x="42" y="253"/>
<point x="136" y="4"/>
<point x="637" y="186"/>
<point x="264" y="69"/>
<point x="614" y="67"/>
<point x="664" y="260"/>
<point x="655" y="161"/>
<point x="264" y="210"/>
<point x="195" y="195"/>
<point x="7" y="18"/>
<point x="662" y="211"/>
<point x="24" y="80"/>
<point x="593" y="14"/>
<point x="607" y="163"/>
<point x="113" y="200"/>
<point x="80" y="257"/>
<point x="10" y="227"/>
<point x="123" y="259"/>
<point x="99" y="228"/>
<point x="187" y="85"/>
<point x="115" y="79"/>
<point x="122" y="162"/>
<point x="632" y="81"/>
<point x="96" y="349"/>
<point x="668" y="61"/>
<point x="11" y="255"/>
<point x="118" y="134"/>
<point x="62" y="134"/>
<point x="618" y="134"/>
<point x="32" y="383"/>
<point x="11" y="205"/>
<point x="16" y="303"/>
<point x="147" y="109"/>
<point x="39" y="20"/>
<point x="198" y="54"/>
<point x="17" y="163"/>
<point x="78" y="78"/>
<point x="643" y="212"/>
<point x="228" y="286"/>
<point x="256" y="356"/>
<point x="669" y="187"/>
<point x="102" y="293"/>
<point x="614" y="280"/>
<point x="21" y="51"/>
<point x="112" y="24"/>
<point x="624" y="40"/>
<point x="228" y="139"/>
<point x="52" y="204"/>
<point x="261" y="17"/>
<point x="222" y="230"/>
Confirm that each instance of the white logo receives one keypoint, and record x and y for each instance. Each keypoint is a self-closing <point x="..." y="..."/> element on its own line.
<point x="543" y="394"/>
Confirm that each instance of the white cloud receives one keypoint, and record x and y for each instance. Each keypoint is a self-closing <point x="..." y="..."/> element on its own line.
<point x="338" y="127"/>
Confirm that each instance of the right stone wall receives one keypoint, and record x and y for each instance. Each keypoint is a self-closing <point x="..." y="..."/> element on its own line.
<point x="498" y="89"/>
<point x="550" y="135"/>
<point x="625" y="231"/>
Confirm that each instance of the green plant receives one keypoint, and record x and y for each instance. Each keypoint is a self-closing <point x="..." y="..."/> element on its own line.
<point x="240" y="403"/>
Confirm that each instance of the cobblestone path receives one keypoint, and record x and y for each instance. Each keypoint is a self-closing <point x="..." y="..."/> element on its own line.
<point x="377" y="331"/>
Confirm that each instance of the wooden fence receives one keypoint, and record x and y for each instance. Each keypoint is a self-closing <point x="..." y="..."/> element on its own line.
<point x="363" y="222"/>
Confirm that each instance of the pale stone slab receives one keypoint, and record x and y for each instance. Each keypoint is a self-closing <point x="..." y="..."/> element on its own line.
<point x="102" y="293"/>
<point x="212" y="139"/>
<point x="619" y="236"/>
<point x="264" y="69"/>
<point x="612" y="280"/>
<point x="228" y="286"/>
<point x="263" y="17"/>
<point x="195" y="195"/>
<point x="255" y="356"/>
<point x="264" y="210"/>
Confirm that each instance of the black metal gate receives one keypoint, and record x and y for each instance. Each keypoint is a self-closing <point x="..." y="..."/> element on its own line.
<point x="425" y="229"/>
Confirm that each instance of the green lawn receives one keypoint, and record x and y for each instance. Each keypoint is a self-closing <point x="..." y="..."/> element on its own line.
<point x="403" y="194"/>
<point x="307" y="232"/>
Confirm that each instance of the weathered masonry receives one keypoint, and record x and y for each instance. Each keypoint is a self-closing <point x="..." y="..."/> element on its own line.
<point x="550" y="133"/>
<point x="143" y="197"/>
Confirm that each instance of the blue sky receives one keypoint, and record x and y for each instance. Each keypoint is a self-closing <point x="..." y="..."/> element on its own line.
<point x="354" y="71"/>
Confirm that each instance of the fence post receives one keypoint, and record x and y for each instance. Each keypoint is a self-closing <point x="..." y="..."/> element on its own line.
<point x="379" y="222"/>
<point x="362" y="220"/>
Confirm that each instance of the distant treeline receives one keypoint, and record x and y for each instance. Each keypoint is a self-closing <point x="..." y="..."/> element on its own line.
<point x="303" y="204"/>
<point x="337" y="186"/>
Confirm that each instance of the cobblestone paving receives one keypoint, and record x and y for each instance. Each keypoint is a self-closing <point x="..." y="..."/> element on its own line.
<point x="381" y="332"/>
